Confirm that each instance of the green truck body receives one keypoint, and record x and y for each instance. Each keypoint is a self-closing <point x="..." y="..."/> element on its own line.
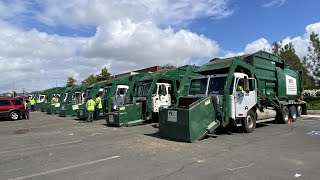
<point x="54" y="108"/>
<point x="151" y="93"/>
<point x="75" y="98"/>
<point x="91" y="91"/>
<point x="41" y="102"/>
<point x="238" y="91"/>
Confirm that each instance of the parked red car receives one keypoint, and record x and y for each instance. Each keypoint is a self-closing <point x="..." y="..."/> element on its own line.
<point x="11" y="108"/>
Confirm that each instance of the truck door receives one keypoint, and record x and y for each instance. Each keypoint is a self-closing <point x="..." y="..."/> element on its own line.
<point x="163" y="98"/>
<point x="121" y="94"/>
<point x="245" y="96"/>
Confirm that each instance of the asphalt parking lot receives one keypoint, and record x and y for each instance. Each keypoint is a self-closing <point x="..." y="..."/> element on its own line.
<point x="50" y="147"/>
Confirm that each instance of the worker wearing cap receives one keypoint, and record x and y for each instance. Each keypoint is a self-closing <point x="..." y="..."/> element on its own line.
<point x="32" y="103"/>
<point x="98" y="107"/>
<point x="90" y="108"/>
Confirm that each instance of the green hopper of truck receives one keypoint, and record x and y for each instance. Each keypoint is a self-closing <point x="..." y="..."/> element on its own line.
<point x="112" y="92"/>
<point x="61" y="95"/>
<point x="153" y="91"/>
<point x="75" y="98"/>
<point x="238" y="91"/>
<point x="91" y="91"/>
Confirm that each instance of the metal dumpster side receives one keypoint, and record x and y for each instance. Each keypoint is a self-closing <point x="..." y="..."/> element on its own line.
<point x="188" y="123"/>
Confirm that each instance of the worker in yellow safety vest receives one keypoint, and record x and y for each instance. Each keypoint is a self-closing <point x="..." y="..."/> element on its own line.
<point x="90" y="108"/>
<point x="54" y="100"/>
<point x="98" y="107"/>
<point x="32" y="103"/>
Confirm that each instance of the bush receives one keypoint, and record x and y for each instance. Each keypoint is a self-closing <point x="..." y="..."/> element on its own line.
<point x="313" y="103"/>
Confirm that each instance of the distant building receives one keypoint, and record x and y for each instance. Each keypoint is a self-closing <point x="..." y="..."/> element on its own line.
<point x="149" y="69"/>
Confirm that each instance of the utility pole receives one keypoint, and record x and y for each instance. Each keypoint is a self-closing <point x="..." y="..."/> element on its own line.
<point x="13" y="89"/>
<point x="56" y="83"/>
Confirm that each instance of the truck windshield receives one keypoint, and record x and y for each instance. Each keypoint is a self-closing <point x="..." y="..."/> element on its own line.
<point x="121" y="91"/>
<point x="77" y="97"/>
<point x="198" y="86"/>
<point x="216" y="85"/>
<point x="143" y="89"/>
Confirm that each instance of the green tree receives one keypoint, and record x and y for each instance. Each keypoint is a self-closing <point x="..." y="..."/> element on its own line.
<point x="288" y="54"/>
<point x="90" y="80"/>
<point x="71" y="81"/>
<point x="104" y="75"/>
<point x="312" y="60"/>
<point x="168" y="66"/>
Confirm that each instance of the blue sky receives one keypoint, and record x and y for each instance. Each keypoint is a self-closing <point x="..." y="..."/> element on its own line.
<point x="44" y="41"/>
<point x="251" y="21"/>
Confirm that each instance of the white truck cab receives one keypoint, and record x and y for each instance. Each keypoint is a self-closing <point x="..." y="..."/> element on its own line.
<point x="243" y="96"/>
<point x="41" y="98"/>
<point x="162" y="96"/>
<point x="118" y="98"/>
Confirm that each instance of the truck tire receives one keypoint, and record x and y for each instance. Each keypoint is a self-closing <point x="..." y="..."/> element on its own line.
<point x="249" y="122"/>
<point x="14" y="115"/>
<point x="299" y="111"/>
<point x="293" y="113"/>
<point x="283" y="115"/>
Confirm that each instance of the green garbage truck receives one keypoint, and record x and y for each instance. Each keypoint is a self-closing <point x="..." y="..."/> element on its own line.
<point x="44" y="98"/>
<point x="53" y="107"/>
<point x="39" y="98"/>
<point x="91" y="91"/>
<point x="75" y="98"/>
<point x="153" y="91"/>
<point x="237" y="91"/>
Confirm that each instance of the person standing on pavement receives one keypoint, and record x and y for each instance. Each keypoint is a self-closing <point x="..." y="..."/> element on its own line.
<point x="28" y="108"/>
<point x="98" y="107"/>
<point x="32" y="103"/>
<point x="90" y="108"/>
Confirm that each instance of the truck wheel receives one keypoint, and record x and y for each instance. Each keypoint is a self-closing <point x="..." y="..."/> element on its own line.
<point x="249" y="122"/>
<point x="14" y="115"/>
<point x="299" y="111"/>
<point x="293" y="113"/>
<point x="283" y="115"/>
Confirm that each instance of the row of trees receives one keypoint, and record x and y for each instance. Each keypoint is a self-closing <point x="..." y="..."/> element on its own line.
<point x="309" y="65"/>
<point x="104" y="75"/>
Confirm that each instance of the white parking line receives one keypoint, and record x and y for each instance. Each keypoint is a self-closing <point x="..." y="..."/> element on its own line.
<point x="50" y="145"/>
<point x="63" y="169"/>
<point x="30" y="134"/>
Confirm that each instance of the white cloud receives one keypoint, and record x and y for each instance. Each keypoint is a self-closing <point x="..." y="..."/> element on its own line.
<point x="35" y="60"/>
<point x="128" y="37"/>
<point x="274" y="3"/>
<point x="96" y="12"/>
<point x="300" y="43"/>
<point x="144" y="44"/>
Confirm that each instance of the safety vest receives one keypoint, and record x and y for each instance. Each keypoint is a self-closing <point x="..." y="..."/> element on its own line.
<point x="90" y="105"/>
<point x="98" y="102"/>
<point x="25" y="104"/>
<point x="54" y="100"/>
<point x="239" y="88"/>
<point x="32" y="102"/>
